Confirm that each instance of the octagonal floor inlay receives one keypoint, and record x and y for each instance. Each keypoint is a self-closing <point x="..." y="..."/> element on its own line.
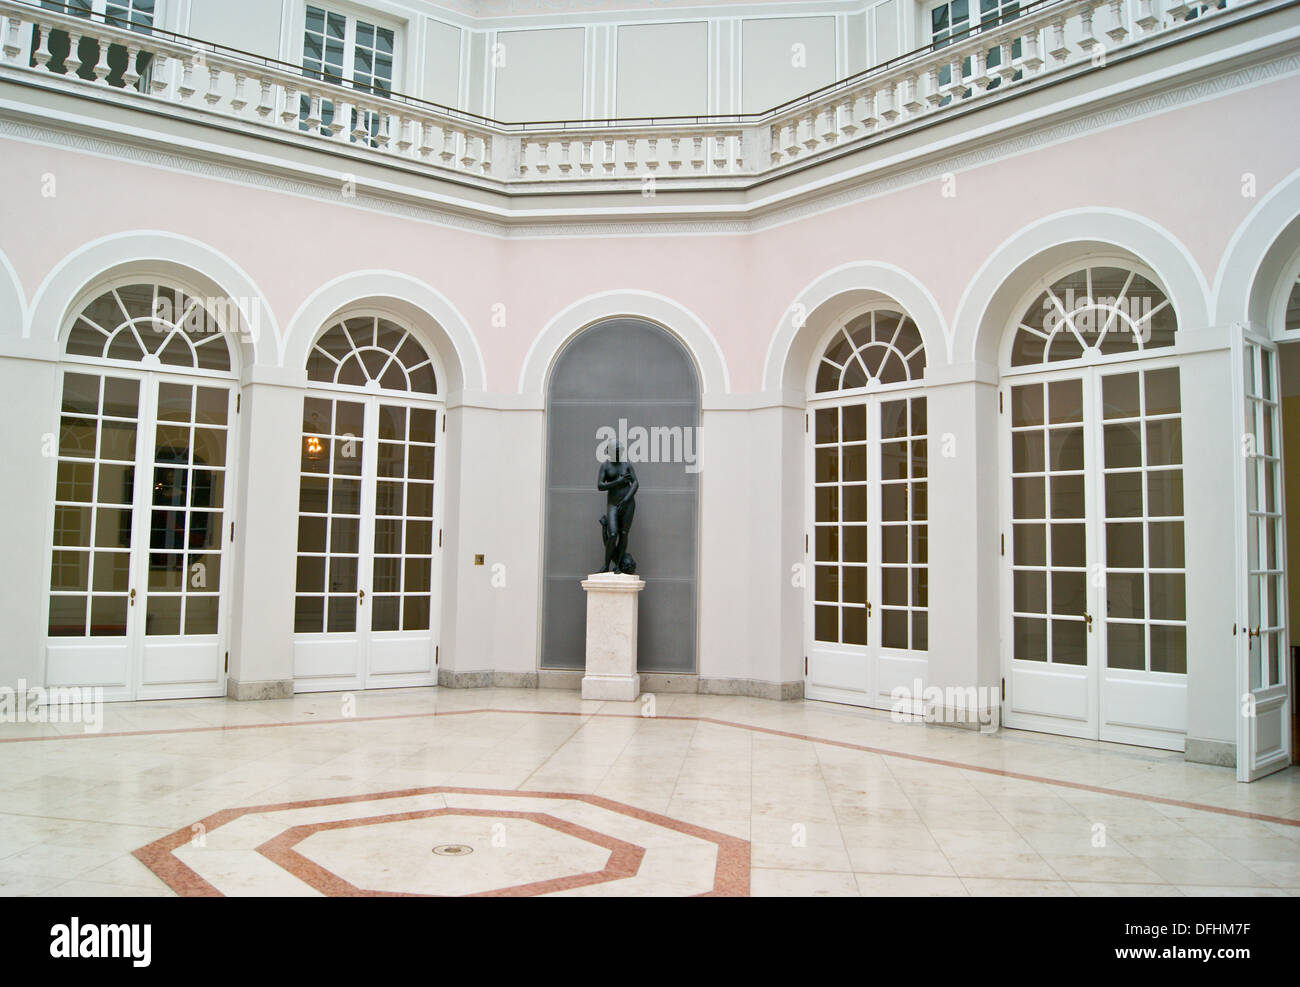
<point x="519" y="842"/>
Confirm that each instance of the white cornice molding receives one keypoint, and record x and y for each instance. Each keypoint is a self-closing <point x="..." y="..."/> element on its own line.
<point x="404" y="201"/>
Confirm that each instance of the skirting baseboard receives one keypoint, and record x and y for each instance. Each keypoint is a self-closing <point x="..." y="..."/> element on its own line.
<point x="671" y="682"/>
<point x="964" y="718"/>
<point x="267" y="689"/>
<point x="752" y="688"/>
<point x="452" y="679"/>
<point x="1219" y="752"/>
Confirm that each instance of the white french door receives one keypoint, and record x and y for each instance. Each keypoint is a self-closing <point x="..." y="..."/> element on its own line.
<point x="868" y="593"/>
<point x="1264" y="704"/>
<point x="1095" y="633"/>
<point x="369" y="544"/>
<point x="138" y="571"/>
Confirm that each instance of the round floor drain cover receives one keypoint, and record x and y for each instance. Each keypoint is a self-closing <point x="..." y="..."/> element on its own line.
<point x="453" y="850"/>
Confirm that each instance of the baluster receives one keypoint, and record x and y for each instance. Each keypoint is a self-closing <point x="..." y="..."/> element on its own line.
<point x="933" y="95"/>
<point x="1088" y="41"/>
<point x="869" y="120"/>
<point x="360" y="132"/>
<point x="631" y="162"/>
<point x="1117" y="31"/>
<point x="775" y="153"/>
<point x="652" y="153"/>
<point x="792" y="138"/>
<point x="585" y="159"/>
<point x="73" y="61"/>
<point x="697" y="153"/>
<point x="337" y="128"/>
<point x="830" y="132"/>
<point x="675" y="153"/>
<point x="102" y="67"/>
<point x="158" y="77"/>
<point x="43" y="49"/>
<point x="313" y="113"/>
<point x="912" y="101"/>
<point x="979" y="71"/>
<point x="12" y="47"/>
<point x="427" y="146"/>
<point x="1179" y="9"/>
<point x="736" y="151"/>
<point x="543" y="157"/>
<point x="265" y="98"/>
<point x="566" y="158"/>
<point x="809" y="126"/>
<point x="1006" y="68"/>
<point x="467" y="158"/>
<point x="720" y="153"/>
<point x="186" y="88"/>
<point x="385" y="133"/>
<point x="1146" y="21"/>
<point x="1057" y="47"/>
<point x="844" y="117"/>
<point x="131" y="77"/>
<point x="607" y="160"/>
<point x="213" y="95"/>
<point x="485" y="157"/>
<point x="237" y="101"/>
<point x="888" y="112"/>
<point x="1031" y="60"/>
<point x="405" y="134"/>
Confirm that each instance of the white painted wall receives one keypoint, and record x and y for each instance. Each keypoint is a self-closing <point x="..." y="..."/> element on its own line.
<point x="662" y="70"/>
<point x="249" y="25"/>
<point x="539" y="75"/>
<point x="782" y="58"/>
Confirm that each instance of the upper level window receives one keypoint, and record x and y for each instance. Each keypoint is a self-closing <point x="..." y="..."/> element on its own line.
<point x="1095" y="311"/>
<point x="137" y="15"/>
<point x="347" y="51"/>
<point x="878" y="347"/>
<point x="958" y="19"/>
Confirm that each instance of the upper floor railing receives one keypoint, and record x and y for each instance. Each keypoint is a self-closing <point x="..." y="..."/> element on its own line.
<point x="161" y="69"/>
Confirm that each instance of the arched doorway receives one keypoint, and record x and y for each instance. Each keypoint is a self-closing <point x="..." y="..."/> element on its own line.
<point x="369" y="510"/>
<point x="636" y="379"/>
<point x="140" y="542"/>
<point x="1095" y="614"/>
<point x="868" y="456"/>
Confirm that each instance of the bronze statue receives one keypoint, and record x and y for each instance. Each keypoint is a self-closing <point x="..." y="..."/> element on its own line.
<point x="618" y="479"/>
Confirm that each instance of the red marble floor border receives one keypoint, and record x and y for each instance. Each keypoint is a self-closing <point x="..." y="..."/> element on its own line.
<point x="771" y="731"/>
<point x="731" y="870"/>
<point x="624" y="860"/>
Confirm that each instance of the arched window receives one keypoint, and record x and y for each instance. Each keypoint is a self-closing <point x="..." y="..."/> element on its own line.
<point x="138" y="320"/>
<point x="1102" y="310"/>
<point x="366" y="349"/>
<point x="1292" y="322"/>
<point x="878" y="347"/>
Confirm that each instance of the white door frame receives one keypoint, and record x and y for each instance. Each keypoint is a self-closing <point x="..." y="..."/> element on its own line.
<point x="132" y="686"/>
<point x="1130" y="689"/>
<point x="416" y="647"/>
<point x="906" y="668"/>
<point x="1263" y="713"/>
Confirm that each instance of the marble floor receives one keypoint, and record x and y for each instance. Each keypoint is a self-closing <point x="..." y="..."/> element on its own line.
<point x="522" y="792"/>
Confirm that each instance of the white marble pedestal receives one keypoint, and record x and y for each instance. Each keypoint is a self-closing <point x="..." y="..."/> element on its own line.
<point x="611" y="636"/>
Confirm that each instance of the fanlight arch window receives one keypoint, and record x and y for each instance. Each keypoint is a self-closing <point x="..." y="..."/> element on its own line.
<point x="882" y="346"/>
<point x="1094" y="311"/>
<point x="135" y="321"/>
<point x="366" y="349"/>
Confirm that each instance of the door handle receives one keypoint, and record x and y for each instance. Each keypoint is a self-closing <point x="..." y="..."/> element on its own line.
<point x="132" y="597"/>
<point x="868" y="609"/>
<point x="361" y="596"/>
<point x="1087" y="618"/>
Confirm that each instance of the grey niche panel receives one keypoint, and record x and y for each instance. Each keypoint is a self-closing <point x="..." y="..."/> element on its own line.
<point x="629" y="375"/>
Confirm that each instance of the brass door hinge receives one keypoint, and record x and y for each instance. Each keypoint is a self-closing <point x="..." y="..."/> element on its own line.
<point x="1004" y="690"/>
<point x="227" y="661"/>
